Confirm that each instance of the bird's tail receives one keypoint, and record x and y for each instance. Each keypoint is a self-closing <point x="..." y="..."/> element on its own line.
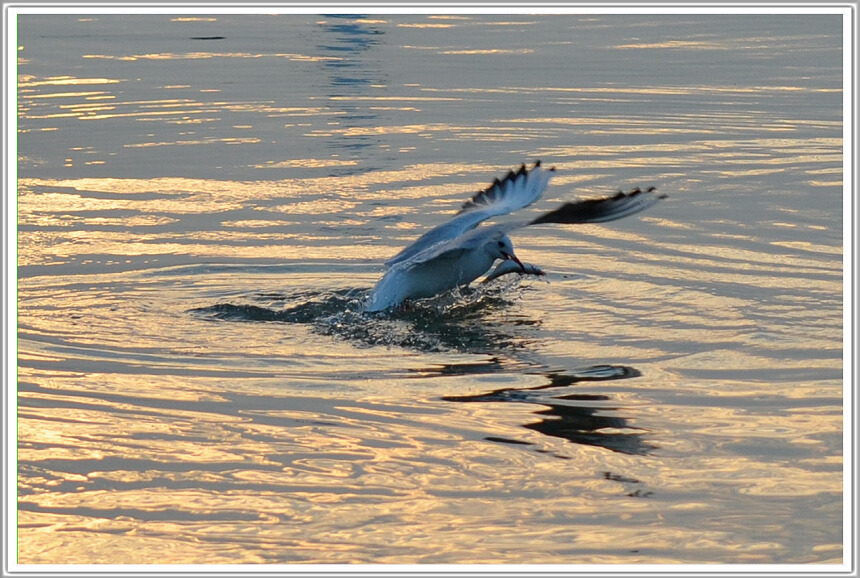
<point x="602" y="210"/>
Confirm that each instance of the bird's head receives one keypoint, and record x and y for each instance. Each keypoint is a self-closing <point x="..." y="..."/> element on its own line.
<point x="502" y="248"/>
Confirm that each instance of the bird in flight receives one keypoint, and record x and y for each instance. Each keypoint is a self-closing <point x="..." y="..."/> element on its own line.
<point x="457" y="252"/>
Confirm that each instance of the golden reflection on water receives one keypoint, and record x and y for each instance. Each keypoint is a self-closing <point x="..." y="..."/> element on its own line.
<point x="363" y="462"/>
<point x="150" y="431"/>
<point x="29" y="81"/>
<point x="489" y="51"/>
<point x="383" y="471"/>
<point x="225" y="140"/>
<point x="207" y="55"/>
<point x="31" y="103"/>
<point x="685" y="44"/>
<point x="641" y="90"/>
<point x="307" y="163"/>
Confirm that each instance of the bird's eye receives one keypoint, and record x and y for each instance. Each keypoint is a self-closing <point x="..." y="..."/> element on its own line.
<point x="501" y="244"/>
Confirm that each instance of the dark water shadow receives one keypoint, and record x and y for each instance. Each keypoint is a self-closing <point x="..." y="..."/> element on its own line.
<point x="479" y="322"/>
<point x="482" y="321"/>
<point x="474" y="320"/>
<point x="585" y="419"/>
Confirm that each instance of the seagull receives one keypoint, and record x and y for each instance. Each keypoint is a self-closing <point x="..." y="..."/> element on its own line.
<point x="457" y="252"/>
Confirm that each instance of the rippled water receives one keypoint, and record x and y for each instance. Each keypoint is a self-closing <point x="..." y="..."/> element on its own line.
<point x="204" y="202"/>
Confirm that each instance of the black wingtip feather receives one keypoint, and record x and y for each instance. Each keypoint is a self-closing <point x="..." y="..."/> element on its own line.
<point x="594" y="210"/>
<point x="490" y="192"/>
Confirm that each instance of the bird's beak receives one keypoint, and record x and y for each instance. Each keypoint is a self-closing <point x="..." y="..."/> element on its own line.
<point x="513" y="258"/>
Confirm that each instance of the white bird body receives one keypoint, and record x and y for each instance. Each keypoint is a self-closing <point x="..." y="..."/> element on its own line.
<point x="458" y="252"/>
<point x="441" y="267"/>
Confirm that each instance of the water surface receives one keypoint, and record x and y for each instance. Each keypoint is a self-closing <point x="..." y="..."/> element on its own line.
<point x="204" y="202"/>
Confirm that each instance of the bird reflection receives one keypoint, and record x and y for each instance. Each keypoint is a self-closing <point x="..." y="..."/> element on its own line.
<point x="579" y="418"/>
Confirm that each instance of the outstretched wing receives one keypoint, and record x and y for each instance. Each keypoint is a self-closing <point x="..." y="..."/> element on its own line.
<point x="515" y="191"/>
<point x="453" y="249"/>
<point x="601" y="210"/>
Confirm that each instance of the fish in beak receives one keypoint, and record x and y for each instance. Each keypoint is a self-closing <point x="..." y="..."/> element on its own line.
<point x="512" y="257"/>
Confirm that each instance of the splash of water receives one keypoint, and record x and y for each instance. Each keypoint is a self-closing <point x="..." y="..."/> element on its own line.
<point x="463" y="320"/>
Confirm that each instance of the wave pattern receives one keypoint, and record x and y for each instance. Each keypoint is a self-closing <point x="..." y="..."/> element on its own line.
<point x="197" y="382"/>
